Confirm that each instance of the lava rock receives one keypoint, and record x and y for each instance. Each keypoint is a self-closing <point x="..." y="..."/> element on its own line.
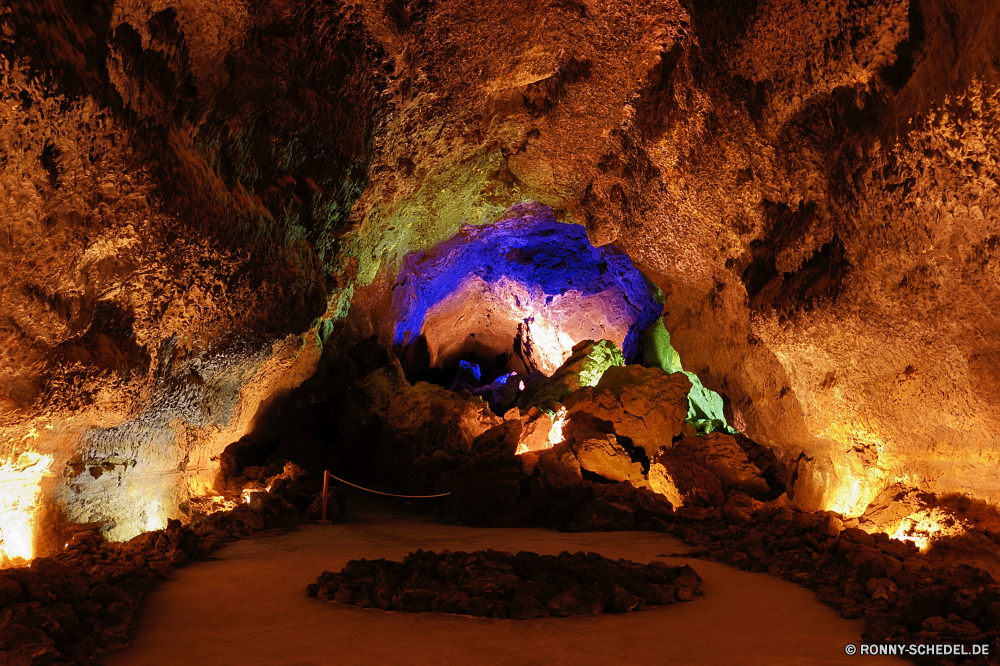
<point x="585" y="367"/>
<point x="721" y="455"/>
<point x="601" y="454"/>
<point x="502" y="393"/>
<point x="483" y="490"/>
<point x="501" y="585"/>
<point x="677" y="475"/>
<point x="644" y="405"/>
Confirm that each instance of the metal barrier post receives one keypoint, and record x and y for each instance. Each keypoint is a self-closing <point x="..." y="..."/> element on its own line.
<point x="326" y="490"/>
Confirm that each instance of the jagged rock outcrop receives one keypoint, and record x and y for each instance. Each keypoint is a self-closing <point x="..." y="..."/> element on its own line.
<point x="585" y="367"/>
<point x="644" y="405"/>
<point x="601" y="454"/>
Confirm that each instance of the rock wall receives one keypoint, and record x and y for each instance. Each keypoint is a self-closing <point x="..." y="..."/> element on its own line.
<point x="193" y="191"/>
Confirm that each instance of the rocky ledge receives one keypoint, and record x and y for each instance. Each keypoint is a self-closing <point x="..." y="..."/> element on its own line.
<point x="501" y="585"/>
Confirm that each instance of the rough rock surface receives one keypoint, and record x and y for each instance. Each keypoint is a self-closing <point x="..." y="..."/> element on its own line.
<point x="502" y="393"/>
<point x="677" y="475"/>
<point x="424" y="418"/>
<point x="722" y="456"/>
<point x="501" y="585"/>
<point x="584" y="367"/>
<point x="645" y="405"/>
<point x="518" y="294"/>
<point x="601" y="454"/>
<point x="193" y="191"/>
<point x="902" y="595"/>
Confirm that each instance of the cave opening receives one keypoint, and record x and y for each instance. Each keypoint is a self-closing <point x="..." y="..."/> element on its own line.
<point x="511" y="299"/>
<point x="519" y="314"/>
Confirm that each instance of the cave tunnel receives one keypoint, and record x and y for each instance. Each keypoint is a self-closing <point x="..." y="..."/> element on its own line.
<point x="409" y="332"/>
<point x="517" y="296"/>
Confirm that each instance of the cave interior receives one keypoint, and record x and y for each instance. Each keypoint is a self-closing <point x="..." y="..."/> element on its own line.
<point x="723" y="273"/>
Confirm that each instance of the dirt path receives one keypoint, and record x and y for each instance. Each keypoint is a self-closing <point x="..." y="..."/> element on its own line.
<point x="250" y="608"/>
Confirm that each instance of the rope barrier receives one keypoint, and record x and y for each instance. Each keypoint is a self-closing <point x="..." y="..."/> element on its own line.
<point x="379" y="492"/>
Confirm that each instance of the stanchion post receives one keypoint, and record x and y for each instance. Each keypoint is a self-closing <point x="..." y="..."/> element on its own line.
<point x="326" y="490"/>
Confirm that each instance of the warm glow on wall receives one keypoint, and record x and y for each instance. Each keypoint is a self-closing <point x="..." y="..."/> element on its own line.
<point x="20" y="480"/>
<point x="556" y="435"/>
<point x="552" y="345"/>
<point x="859" y="478"/>
<point x="851" y="499"/>
<point x="922" y="527"/>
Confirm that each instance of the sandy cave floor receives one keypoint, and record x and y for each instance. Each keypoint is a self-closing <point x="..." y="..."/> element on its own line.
<point x="249" y="607"/>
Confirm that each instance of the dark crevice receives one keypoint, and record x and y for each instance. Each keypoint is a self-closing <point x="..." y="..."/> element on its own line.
<point x="635" y="454"/>
<point x="50" y="162"/>
<point x="899" y="73"/>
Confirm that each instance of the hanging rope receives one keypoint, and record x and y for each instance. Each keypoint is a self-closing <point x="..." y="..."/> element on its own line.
<point x="379" y="492"/>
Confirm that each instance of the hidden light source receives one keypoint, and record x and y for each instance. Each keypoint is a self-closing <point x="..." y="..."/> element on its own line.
<point x="20" y="487"/>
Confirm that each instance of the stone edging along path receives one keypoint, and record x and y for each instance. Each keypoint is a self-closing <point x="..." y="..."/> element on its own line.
<point x="498" y="584"/>
<point x="901" y="596"/>
<point x="70" y="608"/>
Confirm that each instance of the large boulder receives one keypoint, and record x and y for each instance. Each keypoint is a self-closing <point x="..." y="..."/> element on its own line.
<point x="536" y="433"/>
<point x="676" y="473"/>
<point x="721" y="455"/>
<point x="425" y="418"/>
<point x="501" y="439"/>
<point x="560" y="467"/>
<point x="601" y="454"/>
<point x="645" y="405"/>
<point x="585" y="367"/>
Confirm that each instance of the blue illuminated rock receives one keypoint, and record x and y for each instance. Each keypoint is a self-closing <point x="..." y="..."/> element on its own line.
<point x="527" y="286"/>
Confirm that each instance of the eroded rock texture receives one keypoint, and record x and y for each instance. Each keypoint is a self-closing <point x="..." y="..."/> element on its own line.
<point x="197" y="196"/>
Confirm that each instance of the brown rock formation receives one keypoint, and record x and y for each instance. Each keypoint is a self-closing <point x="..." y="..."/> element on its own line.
<point x="194" y="192"/>
<point x="601" y="454"/>
<point x="645" y="405"/>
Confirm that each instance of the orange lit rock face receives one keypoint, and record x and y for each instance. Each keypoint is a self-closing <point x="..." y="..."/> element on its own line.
<point x="186" y="186"/>
<point x="645" y="405"/>
<point x="20" y="487"/>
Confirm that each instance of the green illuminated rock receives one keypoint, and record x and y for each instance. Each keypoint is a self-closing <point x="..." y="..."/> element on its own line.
<point x="583" y="368"/>
<point x="659" y="352"/>
<point x="705" y="412"/>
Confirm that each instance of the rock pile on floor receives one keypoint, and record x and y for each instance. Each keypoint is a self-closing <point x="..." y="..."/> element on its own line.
<point x="71" y="608"/>
<point x="501" y="585"/>
<point x="900" y="594"/>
